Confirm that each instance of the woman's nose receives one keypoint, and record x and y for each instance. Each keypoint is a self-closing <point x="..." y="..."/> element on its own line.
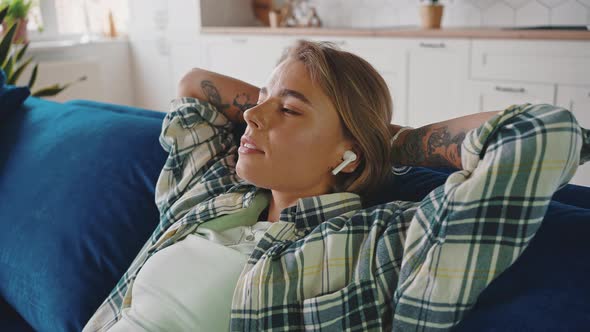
<point x="254" y="117"/>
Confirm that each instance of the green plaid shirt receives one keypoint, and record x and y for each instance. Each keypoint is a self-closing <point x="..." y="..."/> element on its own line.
<point x="331" y="264"/>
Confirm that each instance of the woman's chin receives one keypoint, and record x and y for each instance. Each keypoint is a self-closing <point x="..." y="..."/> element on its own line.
<point x="244" y="172"/>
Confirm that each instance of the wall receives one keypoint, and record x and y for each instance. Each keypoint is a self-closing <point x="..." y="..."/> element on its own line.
<point x="105" y="63"/>
<point x="484" y="13"/>
<point x="390" y="13"/>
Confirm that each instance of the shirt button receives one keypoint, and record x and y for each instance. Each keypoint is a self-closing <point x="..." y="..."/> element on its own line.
<point x="250" y="237"/>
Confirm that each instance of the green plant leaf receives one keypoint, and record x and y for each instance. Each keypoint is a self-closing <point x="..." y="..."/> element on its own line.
<point x="18" y="71"/>
<point x="22" y="51"/>
<point x="53" y="90"/>
<point x="8" y="66"/>
<point x="6" y="43"/>
<point x="3" y="14"/>
<point x="18" y="8"/>
<point x="33" y="77"/>
<point x="49" y="91"/>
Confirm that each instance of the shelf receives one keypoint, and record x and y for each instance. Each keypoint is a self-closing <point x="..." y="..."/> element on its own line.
<point x="409" y="32"/>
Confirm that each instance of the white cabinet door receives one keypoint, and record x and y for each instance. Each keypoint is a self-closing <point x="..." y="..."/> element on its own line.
<point x="436" y="80"/>
<point x="496" y="96"/>
<point x="577" y="100"/>
<point x="247" y="58"/>
<point x="184" y="57"/>
<point x="388" y="57"/>
<point x="565" y="62"/>
<point x="152" y="74"/>
<point x="149" y="19"/>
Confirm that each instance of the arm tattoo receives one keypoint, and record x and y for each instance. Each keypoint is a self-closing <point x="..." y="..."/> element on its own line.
<point x="242" y="102"/>
<point x="213" y="95"/>
<point x="431" y="147"/>
<point x="410" y="151"/>
<point x="443" y="149"/>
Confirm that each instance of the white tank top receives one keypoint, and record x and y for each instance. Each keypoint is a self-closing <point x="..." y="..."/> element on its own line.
<point x="189" y="285"/>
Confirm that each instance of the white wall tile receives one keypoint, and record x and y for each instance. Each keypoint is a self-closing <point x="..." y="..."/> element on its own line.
<point x="569" y="13"/>
<point x="533" y="13"/>
<point x="409" y="15"/>
<point x="483" y="4"/>
<point x="457" y="13"/>
<point x="499" y="14"/>
<point x="552" y="3"/>
<point x="363" y="17"/>
<point x="461" y="13"/>
<point x="516" y="4"/>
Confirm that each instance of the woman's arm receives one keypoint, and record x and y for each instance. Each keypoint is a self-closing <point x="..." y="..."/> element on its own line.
<point x="231" y="96"/>
<point x="437" y="144"/>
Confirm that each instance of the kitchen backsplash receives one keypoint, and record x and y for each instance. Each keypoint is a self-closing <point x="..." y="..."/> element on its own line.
<point x="475" y="13"/>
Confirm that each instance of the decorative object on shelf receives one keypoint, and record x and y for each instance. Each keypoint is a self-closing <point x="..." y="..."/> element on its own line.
<point x="262" y="11"/>
<point x="18" y="12"/>
<point x="274" y="18"/>
<point x="314" y="20"/>
<point x="112" y="32"/>
<point x="431" y="14"/>
<point x="13" y="63"/>
<point x="294" y="13"/>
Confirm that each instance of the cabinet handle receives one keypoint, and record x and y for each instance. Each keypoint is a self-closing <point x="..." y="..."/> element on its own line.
<point x="514" y="90"/>
<point x="239" y="40"/>
<point x="432" y="45"/>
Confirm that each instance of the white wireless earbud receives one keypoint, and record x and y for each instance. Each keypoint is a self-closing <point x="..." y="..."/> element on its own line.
<point x="348" y="157"/>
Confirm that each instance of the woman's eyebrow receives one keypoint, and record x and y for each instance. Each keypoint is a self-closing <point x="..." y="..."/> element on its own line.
<point x="291" y="93"/>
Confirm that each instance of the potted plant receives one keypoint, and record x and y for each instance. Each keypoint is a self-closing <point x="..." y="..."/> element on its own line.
<point x="18" y="11"/>
<point x="431" y="14"/>
<point x="13" y="61"/>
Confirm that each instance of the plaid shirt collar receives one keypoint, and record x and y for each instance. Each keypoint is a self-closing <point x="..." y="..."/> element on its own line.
<point x="309" y="212"/>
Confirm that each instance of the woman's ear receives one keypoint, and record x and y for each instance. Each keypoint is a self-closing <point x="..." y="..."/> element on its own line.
<point x="352" y="166"/>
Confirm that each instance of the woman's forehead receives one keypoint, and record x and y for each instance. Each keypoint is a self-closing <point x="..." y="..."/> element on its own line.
<point x="292" y="73"/>
<point x="291" y="78"/>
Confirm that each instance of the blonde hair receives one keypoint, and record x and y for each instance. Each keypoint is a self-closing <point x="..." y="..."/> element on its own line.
<point x="362" y="99"/>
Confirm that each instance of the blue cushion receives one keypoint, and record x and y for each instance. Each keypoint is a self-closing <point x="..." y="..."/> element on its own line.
<point x="547" y="288"/>
<point x="11" y="97"/>
<point x="77" y="186"/>
<point x="11" y="321"/>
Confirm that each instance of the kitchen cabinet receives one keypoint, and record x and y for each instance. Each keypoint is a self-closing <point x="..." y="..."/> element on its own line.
<point x="150" y="20"/>
<point x="566" y="62"/>
<point x="250" y="59"/>
<point x="577" y="100"/>
<point x="152" y="74"/>
<point x="490" y="96"/>
<point x="184" y="56"/>
<point x="436" y="80"/>
<point x="388" y="57"/>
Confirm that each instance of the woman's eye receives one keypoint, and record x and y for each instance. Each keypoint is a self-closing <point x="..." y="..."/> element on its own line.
<point x="288" y="111"/>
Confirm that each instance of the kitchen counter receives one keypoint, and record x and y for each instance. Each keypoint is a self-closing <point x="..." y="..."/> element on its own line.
<point x="410" y="32"/>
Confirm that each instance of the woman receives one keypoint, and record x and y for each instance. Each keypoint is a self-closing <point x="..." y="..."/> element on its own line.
<point x="270" y="232"/>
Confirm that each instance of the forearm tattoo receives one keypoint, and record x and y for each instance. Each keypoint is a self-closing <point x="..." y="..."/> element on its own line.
<point x="213" y="95"/>
<point x="242" y="102"/>
<point x="410" y="152"/>
<point x="431" y="147"/>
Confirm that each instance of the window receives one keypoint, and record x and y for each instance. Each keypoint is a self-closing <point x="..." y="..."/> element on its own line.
<point x="62" y="19"/>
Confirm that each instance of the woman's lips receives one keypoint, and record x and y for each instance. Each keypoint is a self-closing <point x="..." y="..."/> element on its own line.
<point x="248" y="146"/>
<point x="244" y="149"/>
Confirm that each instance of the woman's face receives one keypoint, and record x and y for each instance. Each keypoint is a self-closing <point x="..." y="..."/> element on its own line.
<point x="297" y="135"/>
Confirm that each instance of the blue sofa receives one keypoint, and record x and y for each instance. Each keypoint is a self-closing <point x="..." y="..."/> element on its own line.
<point x="76" y="204"/>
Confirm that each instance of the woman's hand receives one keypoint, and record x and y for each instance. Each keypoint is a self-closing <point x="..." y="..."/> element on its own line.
<point x="437" y="144"/>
